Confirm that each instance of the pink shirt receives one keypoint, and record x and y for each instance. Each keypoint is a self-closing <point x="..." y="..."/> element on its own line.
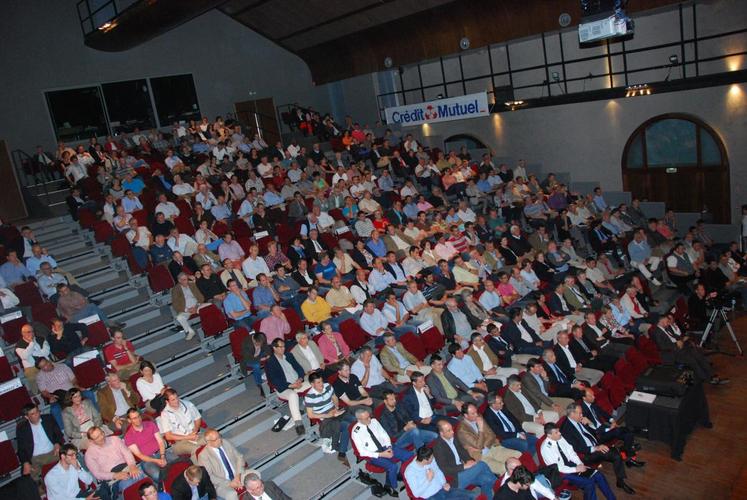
<point x="506" y="289"/>
<point x="231" y="251"/>
<point x="274" y="328"/>
<point x="327" y="347"/>
<point x="145" y="440"/>
<point x="100" y="460"/>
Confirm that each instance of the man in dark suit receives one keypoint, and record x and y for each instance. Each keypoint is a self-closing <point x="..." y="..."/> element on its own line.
<point x="518" y="333"/>
<point x="181" y="264"/>
<point x="313" y="246"/>
<point x="506" y="427"/>
<point x="193" y="476"/>
<point x="556" y="302"/>
<point x="535" y="385"/>
<point x="34" y="451"/>
<point x="679" y="350"/>
<point x="587" y="356"/>
<point x="420" y="405"/>
<point x="560" y="384"/>
<point x="583" y="440"/>
<point x="455" y="462"/>
<point x="499" y="345"/>
<point x="276" y="368"/>
<point x="259" y="490"/>
<point x="605" y="428"/>
<point x="572" y="367"/>
<point x="78" y="200"/>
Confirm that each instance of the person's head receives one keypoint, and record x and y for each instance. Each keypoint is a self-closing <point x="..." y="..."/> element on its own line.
<point x="96" y="436"/>
<point x="469" y="410"/>
<point x="134" y="417"/>
<point x="193" y="475"/>
<point x="548" y="355"/>
<point x="254" y="485"/>
<point x="369" y="306"/>
<point x="31" y="413"/>
<point x="113" y="381"/>
<point x="171" y="397"/>
<point x="213" y="438"/>
<point x="521" y="476"/>
<point x="445" y="429"/>
<point x="418" y="380"/>
<point x="312" y="294"/>
<point x="552" y="431"/>
<point x="45" y="365"/>
<point x="573" y="411"/>
<point x="27" y="332"/>
<point x="563" y="338"/>
<point x="514" y="383"/>
<point x="589" y="396"/>
<point x="363" y="415"/>
<point x="147" y="369"/>
<point x="278" y="347"/>
<point x="148" y="491"/>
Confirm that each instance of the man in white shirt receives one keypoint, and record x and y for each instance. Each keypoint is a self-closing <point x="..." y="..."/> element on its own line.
<point x="373" y="321"/>
<point x="372" y="375"/>
<point x="182" y="243"/>
<point x="167" y="208"/>
<point x="61" y="481"/>
<point x="180" y="424"/>
<point x="254" y="265"/>
<point x="420" y="308"/>
<point x="373" y="443"/>
<point x="567" y="362"/>
<point x="181" y="188"/>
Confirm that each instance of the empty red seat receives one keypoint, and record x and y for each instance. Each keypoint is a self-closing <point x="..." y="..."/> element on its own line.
<point x="433" y="340"/>
<point x="98" y="334"/>
<point x="28" y="294"/>
<point x="13" y="397"/>
<point x="184" y="225"/>
<point x="6" y="370"/>
<point x="12" y="330"/>
<point x="120" y="246"/>
<point x="355" y="336"/>
<point x="626" y="373"/>
<point x="160" y="279"/>
<point x="414" y="345"/>
<point x="89" y="373"/>
<point x="8" y="458"/>
<point x="236" y="338"/>
<point x="103" y="232"/>
<point x="212" y="320"/>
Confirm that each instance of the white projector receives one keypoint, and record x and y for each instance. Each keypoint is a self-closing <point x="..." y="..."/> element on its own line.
<point x="612" y="26"/>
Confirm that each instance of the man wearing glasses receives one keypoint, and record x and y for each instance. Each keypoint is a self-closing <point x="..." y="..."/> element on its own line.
<point x="62" y="480"/>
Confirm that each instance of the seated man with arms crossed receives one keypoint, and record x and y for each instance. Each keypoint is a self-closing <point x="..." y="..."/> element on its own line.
<point x="180" y="423"/>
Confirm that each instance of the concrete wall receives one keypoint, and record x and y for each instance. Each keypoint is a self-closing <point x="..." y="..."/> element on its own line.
<point x="587" y="139"/>
<point x="42" y="49"/>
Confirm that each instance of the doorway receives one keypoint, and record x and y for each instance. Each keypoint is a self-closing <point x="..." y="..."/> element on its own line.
<point x="680" y="160"/>
<point x="259" y="116"/>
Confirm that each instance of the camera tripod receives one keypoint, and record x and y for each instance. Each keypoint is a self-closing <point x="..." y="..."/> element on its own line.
<point x="714" y="325"/>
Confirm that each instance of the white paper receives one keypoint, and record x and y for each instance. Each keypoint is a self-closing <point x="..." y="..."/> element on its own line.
<point x="642" y="397"/>
<point x="10" y="385"/>
<point x="422" y="327"/>
<point x="258" y="236"/>
<point x="89" y="320"/>
<point x="10" y="317"/>
<point x="84" y="356"/>
<point x="342" y="230"/>
<point x="3" y="436"/>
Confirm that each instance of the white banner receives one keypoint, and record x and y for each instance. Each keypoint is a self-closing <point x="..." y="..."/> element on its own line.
<point x="453" y="108"/>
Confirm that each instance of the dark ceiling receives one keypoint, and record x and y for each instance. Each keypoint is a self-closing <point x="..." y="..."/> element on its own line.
<point x="343" y="38"/>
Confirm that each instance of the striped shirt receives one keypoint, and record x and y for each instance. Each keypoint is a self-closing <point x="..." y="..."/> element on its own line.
<point x="60" y="378"/>
<point x="319" y="402"/>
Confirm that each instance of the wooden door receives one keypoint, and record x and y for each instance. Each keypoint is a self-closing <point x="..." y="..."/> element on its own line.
<point x="259" y="112"/>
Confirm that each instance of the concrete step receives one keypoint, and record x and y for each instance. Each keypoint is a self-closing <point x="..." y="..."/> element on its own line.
<point x="138" y="315"/>
<point x="85" y="264"/>
<point x="191" y="367"/>
<point x="351" y="489"/>
<point x="51" y="222"/>
<point x="103" y="278"/>
<point x="252" y="436"/>
<point x="164" y="344"/>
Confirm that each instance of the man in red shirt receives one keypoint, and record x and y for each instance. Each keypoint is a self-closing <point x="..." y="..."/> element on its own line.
<point x="120" y="353"/>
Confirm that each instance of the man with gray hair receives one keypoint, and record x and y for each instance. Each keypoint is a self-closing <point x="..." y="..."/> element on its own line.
<point x="224" y="464"/>
<point x="263" y="490"/>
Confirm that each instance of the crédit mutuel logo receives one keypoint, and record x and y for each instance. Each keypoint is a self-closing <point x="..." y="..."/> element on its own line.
<point x="448" y="109"/>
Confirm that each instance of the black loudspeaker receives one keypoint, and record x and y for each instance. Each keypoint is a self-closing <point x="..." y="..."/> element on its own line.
<point x="663" y="381"/>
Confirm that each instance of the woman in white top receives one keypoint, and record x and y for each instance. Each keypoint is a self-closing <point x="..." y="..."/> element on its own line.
<point x="149" y="385"/>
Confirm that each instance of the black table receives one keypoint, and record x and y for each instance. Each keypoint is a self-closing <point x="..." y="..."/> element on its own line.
<point x="669" y="419"/>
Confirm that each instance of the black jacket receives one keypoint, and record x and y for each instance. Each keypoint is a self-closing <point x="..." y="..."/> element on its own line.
<point x="311" y="252"/>
<point x="447" y="321"/>
<point x="497" y="427"/>
<point x="446" y="461"/>
<point x="393" y="422"/>
<point x="574" y="438"/>
<point x="556" y="306"/>
<point x="25" y="437"/>
<point x="512" y="333"/>
<point x="181" y="490"/>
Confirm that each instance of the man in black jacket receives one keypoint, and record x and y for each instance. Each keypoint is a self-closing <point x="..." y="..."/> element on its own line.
<point x="587" y="355"/>
<point x="193" y="476"/>
<point x="520" y="335"/>
<point x="42" y="448"/>
<point x="456" y="463"/>
<point x="606" y="428"/>
<point x="458" y="319"/>
<point x="399" y="425"/>
<point x="583" y="440"/>
<point x="506" y="428"/>
<point x="560" y="384"/>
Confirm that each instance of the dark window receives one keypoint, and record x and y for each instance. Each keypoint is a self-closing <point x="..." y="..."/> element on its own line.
<point x="175" y="98"/>
<point x="673" y="141"/>
<point x="77" y="114"/>
<point x="128" y="105"/>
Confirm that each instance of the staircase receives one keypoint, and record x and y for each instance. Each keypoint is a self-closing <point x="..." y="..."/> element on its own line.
<point x="198" y="370"/>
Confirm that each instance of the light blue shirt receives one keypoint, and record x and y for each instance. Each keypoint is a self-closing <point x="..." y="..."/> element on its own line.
<point x="135" y="185"/>
<point x="221" y="212"/>
<point x="621" y="315"/>
<point x="450" y="442"/>
<point x="13" y="274"/>
<point x="465" y="370"/>
<point x="377" y="248"/>
<point x="272" y="199"/>
<point x="372" y="322"/>
<point x="34" y="263"/>
<point x="639" y="252"/>
<point x="233" y="304"/>
<point x="130" y="205"/>
<point x="417" y="477"/>
<point x="379" y="280"/>
<point x="490" y="300"/>
<point x="600" y="203"/>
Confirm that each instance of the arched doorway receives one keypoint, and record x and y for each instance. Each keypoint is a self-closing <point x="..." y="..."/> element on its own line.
<point x="680" y="160"/>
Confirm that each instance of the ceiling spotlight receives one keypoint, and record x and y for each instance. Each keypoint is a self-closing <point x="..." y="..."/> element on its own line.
<point x="674" y="59"/>
<point x="464" y="43"/>
<point x="512" y="105"/>
<point x="637" y="90"/>
<point x="388" y="62"/>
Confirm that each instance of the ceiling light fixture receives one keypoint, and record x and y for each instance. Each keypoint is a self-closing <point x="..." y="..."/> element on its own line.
<point x="512" y="105"/>
<point x="637" y="90"/>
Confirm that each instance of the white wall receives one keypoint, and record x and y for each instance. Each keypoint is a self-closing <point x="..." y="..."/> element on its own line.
<point x="588" y="139"/>
<point x="42" y="48"/>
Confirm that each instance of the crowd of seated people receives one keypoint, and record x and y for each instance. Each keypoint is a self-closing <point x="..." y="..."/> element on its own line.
<point x="536" y="293"/>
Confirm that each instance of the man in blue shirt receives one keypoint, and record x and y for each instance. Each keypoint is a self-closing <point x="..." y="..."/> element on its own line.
<point x="238" y="306"/>
<point x="640" y="256"/>
<point x="264" y="296"/>
<point x="376" y="245"/>
<point x="272" y="197"/>
<point x="325" y="270"/>
<point x="160" y="252"/>
<point x="221" y="211"/>
<point x="465" y="369"/>
<point x="134" y="184"/>
<point x="426" y="480"/>
<point x="130" y="202"/>
<point x="13" y="271"/>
